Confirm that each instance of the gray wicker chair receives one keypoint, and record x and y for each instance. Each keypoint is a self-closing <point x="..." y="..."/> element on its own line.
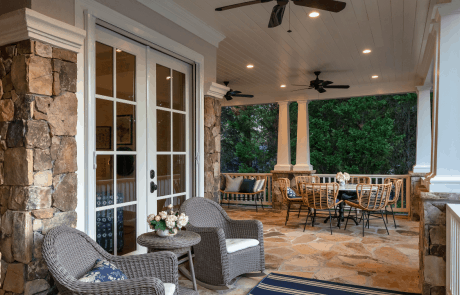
<point x="214" y="267"/>
<point x="70" y="254"/>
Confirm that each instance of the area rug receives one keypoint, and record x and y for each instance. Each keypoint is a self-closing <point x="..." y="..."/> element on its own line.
<point x="283" y="284"/>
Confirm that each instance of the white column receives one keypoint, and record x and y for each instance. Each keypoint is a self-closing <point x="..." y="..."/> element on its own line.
<point x="303" y="138"/>
<point x="283" y="162"/>
<point x="423" y="154"/>
<point x="446" y="165"/>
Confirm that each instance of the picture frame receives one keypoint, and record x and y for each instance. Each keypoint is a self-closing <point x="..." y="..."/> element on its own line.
<point x="125" y="130"/>
<point x="104" y="137"/>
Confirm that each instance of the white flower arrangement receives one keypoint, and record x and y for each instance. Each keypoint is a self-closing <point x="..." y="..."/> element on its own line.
<point x="171" y="221"/>
<point x="342" y="177"/>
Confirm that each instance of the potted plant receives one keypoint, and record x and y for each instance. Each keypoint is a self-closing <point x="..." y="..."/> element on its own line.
<point x="167" y="223"/>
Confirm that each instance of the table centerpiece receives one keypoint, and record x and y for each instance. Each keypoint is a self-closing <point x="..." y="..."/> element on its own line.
<point x="167" y="223"/>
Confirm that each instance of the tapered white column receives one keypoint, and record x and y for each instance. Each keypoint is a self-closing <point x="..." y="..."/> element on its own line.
<point x="446" y="165"/>
<point x="283" y="162"/>
<point x="303" y="138"/>
<point x="423" y="153"/>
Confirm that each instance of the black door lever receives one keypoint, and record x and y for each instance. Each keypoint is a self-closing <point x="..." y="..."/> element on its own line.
<point x="153" y="187"/>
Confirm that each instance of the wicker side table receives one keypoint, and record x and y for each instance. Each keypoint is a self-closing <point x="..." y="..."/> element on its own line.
<point x="179" y="244"/>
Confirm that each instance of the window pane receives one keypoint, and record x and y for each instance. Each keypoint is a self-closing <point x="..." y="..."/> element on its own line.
<point x="126" y="229"/>
<point x="163" y="86"/>
<point x="177" y="202"/>
<point x="179" y="174"/>
<point x="104" y="69"/>
<point x="178" y="91"/>
<point x="126" y="178"/>
<point x="126" y="68"/>
<point x="179" y="132"/>
<point x="164" y="175"/>
<point x="104" y="125"/>
<point x="104" y="230"/>
<point x="104" y="181"/>
<point x="163" y="131"/>
<point x="162" y="205"/>
<point x="126" y="127"/>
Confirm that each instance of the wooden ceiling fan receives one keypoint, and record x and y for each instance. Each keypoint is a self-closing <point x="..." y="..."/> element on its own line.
<point x="276" y="17"/>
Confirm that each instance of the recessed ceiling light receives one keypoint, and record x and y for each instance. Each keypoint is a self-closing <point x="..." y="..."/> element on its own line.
<point x="250" y="66"/>
<point x="314" y="14"/>
<point x="283" y="86"/>
<point x="367" y="51"/>
<point x="119" y="50"/>
<point x="375" y="77"/>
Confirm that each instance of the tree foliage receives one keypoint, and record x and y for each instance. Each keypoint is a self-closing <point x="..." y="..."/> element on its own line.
<point x="365" y="135"/>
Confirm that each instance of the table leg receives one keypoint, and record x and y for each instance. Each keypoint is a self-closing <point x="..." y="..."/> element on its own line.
<point x="192" y="270"/>
<point x="341" y="213"/>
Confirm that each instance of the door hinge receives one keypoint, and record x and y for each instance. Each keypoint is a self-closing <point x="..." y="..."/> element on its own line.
<point x="94" y="160"/>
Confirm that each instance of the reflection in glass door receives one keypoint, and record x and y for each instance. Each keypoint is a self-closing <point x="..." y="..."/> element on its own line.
<point x="120" y="101"/>
<point x="169" y="100"/>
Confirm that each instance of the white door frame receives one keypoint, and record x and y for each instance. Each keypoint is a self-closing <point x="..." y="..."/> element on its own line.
<point x="87" y="12"/>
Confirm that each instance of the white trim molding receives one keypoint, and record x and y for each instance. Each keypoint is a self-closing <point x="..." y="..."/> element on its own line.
<point x="217" y="90"/>
<point x="177" y="14"/>
<point x="26" y="24"/>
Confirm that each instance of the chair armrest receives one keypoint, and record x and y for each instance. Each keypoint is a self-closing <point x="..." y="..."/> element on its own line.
<point x="161" y="265"/>
<point x="246" y="229"/>
<point x="144" y="285"/>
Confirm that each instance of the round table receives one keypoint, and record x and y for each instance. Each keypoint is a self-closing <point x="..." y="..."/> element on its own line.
<point x="179" y="244"/>
<point x="342" y="189"/>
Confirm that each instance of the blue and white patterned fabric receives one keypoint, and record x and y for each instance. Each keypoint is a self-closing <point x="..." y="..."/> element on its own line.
<point x="104" y="223"/>
<point x="291" y="193"/>
<point x="103" y="271"/>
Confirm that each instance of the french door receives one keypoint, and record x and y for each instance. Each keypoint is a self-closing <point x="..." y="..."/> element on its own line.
<point x="142" y="139"/>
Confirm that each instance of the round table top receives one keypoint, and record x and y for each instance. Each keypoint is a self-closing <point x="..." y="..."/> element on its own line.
<point x="181" y="240"/>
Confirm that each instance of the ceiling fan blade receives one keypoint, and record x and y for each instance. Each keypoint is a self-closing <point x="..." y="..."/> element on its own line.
<point x="277" y="16"/>
<point x="241" y="4"/>
<point x="338" y="86"/>
<point x="234" y="92"/>
<point x="321" y="90"/>
<point x="325" y="83"/>
<point x="300" y="89"/>
<point x="328" y="5"/>
<point x="244" y="95"/>
<point x="228" y="97"/>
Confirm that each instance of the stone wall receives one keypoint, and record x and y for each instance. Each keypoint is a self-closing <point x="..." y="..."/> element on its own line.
<point x="212" y="113"/>
<point x="38" y="158"/>
<point x="416" y="189"/>
<point x="277" y="199"/>
<point x="433" y="241"/>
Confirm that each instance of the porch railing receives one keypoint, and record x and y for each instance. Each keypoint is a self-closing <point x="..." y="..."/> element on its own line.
<point x="403" y="205"/>
<point x="249" y="199"/>
<point x="453" y="248"/>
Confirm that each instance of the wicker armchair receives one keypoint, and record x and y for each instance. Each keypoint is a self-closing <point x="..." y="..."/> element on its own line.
<point x="396" y="188"/>
<point x="70" y="254"/>
<point x="215" y="268"/>
<point x="306" y="179"/>
<point x="359" y="180"/>
<point x="284" y="184"/>
<point x="372" y="198"/>
<point x="320" y="196"/>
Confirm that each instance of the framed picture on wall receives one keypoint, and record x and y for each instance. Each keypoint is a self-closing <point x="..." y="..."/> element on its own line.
<point x="103" y="137"/>
<point x="125" y="129"/>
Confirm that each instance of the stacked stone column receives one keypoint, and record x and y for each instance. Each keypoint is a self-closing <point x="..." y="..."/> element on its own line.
<point x="212" y="114"/>
<point x="38" y="158"/>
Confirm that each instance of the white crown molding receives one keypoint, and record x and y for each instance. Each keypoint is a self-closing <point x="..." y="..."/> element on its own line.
<point x="177" y="14"/>
<point x="217" y="90"/>
<point x="26" y="24"/>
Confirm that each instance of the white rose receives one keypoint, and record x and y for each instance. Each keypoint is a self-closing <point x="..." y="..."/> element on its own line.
<point x="170" y="224"/>
<point x="170" y="206"/>
<point x="163" y="214"/>
<point x="150" y="218"/>
<point x="157" y="218"/>
<point x="175" y="230"/>
<point x="346" y="176"/>
<point x="182" y="221"/>
<point x="182" y="215"/>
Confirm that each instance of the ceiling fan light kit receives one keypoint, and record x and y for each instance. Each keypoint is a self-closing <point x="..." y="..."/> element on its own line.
<point x="314" y="14"/>
<point x="277" y="15"/>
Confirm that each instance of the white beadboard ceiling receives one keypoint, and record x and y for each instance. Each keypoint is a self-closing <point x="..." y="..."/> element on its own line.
<point x="395" y="30"/>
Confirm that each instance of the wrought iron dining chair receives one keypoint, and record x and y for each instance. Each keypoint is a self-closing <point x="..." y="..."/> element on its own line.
<point x="285" y="184"/>
<point x="320" y="196"/>
<point x="396" y="188"/>
<point x="305" y="179"/>
<point x="372" y="199"/>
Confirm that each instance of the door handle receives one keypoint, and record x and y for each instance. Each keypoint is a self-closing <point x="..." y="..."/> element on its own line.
<point x="153" y="187"/>
<point x="152" y="174"/>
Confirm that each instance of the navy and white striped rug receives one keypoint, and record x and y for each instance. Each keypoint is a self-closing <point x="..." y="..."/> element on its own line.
<point x="283" y="284"/>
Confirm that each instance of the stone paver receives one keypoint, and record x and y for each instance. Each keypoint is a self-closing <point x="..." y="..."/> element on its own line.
<point x="377" y="260"/>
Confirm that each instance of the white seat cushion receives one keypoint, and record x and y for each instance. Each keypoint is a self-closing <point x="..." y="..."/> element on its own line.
<point x="169" y="288"/>
<point x="234" y="245"/>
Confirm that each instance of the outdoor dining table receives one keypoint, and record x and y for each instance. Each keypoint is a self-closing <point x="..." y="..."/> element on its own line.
<point x="343" y="189"/>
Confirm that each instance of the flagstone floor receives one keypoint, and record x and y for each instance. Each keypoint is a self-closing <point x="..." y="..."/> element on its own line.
<point x="377" y="260"/>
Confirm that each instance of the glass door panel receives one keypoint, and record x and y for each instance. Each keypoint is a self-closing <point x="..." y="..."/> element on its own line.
<point x="120" y="173"/>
